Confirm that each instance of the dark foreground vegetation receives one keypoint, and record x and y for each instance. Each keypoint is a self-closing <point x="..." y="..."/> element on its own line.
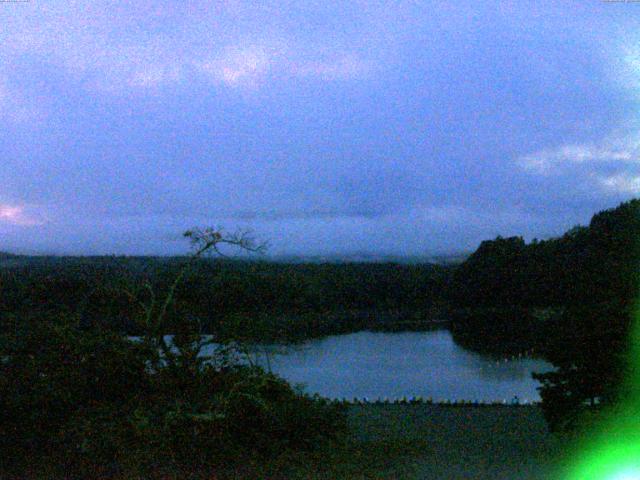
<point x="79" y="399"/>
<point x="91" y="404"/>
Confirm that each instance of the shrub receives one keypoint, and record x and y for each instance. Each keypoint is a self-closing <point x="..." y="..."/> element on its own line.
<point x="90" y="400"/>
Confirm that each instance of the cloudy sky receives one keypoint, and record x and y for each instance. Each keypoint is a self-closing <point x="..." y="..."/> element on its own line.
<point x="398" y="127"/>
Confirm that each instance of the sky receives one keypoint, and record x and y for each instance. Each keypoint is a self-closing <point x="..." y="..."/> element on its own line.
<point x="326" y="127"/>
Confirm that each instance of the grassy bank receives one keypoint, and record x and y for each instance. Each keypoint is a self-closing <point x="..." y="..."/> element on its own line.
<point x="437" y="442"/>
<point x="411" y="442"/>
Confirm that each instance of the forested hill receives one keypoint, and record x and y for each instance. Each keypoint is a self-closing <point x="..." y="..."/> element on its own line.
<point x="263" y="300"/>
<point x="570" y="298"/>
<point x="508" y="294"/>
<point x="596" y="263"/>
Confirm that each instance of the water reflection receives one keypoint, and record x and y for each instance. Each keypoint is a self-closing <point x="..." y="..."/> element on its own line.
<point x="396" y="365"/>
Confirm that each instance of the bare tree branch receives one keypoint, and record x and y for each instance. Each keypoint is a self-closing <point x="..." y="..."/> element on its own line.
<point x="203" y="242"/>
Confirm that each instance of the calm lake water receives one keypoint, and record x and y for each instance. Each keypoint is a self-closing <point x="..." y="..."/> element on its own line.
<point x="394" y="365"/>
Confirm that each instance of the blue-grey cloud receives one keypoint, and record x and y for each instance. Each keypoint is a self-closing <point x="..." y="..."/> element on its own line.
<point x="404" y="127"/>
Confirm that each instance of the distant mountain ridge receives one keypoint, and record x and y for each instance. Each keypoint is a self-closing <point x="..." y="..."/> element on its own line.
<point x="443" y="259"/>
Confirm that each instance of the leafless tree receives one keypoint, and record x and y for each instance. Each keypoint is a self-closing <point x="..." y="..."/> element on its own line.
<point x="203" y="242"/>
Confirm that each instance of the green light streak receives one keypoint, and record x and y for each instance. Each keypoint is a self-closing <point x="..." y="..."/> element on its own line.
<point x="611" y="451"/>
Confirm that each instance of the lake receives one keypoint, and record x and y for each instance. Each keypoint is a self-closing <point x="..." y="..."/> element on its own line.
<point x="395" y="365"/>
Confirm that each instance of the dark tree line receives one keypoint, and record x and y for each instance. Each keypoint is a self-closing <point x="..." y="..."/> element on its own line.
<point x="592" y="264"/>
<point x="571" y="298"/>
<point x="266" y="301"/>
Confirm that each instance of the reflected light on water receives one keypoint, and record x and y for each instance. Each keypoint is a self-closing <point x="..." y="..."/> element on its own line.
<point x="403" y="364"/>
